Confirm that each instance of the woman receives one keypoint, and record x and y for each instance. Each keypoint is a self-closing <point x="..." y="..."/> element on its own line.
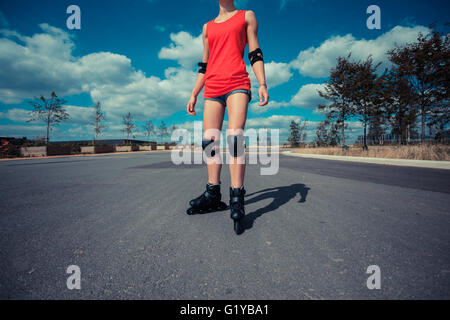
<point x="227" y="85"/>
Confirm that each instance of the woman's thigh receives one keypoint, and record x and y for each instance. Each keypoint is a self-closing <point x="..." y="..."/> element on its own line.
<point x="237" y="105"/>
<point x="212" y="117"/>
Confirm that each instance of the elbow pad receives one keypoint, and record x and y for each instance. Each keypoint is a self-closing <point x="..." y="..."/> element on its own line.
<point x="255" y="55"/>
<point x="202" y="67"/>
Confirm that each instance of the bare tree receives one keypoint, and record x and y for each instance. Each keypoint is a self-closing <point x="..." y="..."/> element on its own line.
<point x="163" y="130"/>
<point x="149" y="128"/>
<point x="129" y="125"/>
<point x="99" y="117"/>
<point x="50" y="110"/>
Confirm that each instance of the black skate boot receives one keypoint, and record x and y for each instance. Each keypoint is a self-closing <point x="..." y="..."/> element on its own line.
<point x="209" y="201"/>
<point x="237" y="207"/>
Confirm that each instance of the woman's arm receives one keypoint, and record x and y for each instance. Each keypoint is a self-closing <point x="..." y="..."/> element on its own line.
<point x="200" y="82"/>
<point x="258" y="66"/>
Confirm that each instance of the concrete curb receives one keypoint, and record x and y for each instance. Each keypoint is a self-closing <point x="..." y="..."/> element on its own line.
<point x="84" y="155"/>
<point x="385" y="161"/>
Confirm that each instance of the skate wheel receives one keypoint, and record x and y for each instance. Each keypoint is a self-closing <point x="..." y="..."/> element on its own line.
<point x="236" y="226"/>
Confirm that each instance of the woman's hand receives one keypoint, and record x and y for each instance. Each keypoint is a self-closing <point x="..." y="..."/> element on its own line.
<point x="191" y="105"/>
<point x="263" y="93"/>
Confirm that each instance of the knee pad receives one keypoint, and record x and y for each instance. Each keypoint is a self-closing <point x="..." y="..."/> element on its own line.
<point x="208" y="147"/>
<point x="236" y="145"/>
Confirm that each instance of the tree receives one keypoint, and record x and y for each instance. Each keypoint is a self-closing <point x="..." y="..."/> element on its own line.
<point x="162" y="130"/>
<point x="303" y="127"/>
<point x="338" y="90"/>
<point x="99" y="117"/>
<point x="298" y="133"/>
<point x="366" y="93"/>
<point x="425" y="63"/>
<point x="149" y="128"/>
<point x="378" y="119"/>
<point x="376" y="129"/>
<point x="401" y="109"/>
<point x="440" y="113"/>
<point x="327" y="134"/>
<point x="294" y="138"/>
<point x="50" y="110"/>
<point x="129" y="125"/>
<point x="439" y="120"/>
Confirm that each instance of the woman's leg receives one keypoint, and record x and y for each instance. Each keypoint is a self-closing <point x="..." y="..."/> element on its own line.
<point x="237" y="105"/>
<point x="213" y="119"/>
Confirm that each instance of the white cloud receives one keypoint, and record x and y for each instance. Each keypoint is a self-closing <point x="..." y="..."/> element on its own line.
<point x="276" y="73"/>
<point x="317" y="62"/>
<point x="77" y="114"/>
<point x="148" y="97"/>
<point x="257" y="109"/>
<point x="10" y="130"/>
<point x="274" y="121"/>
<point x="42" y="63"/>
<point x="308" y="97"/>
<point x="185" y="49"/>
<point x="80" y="115"/>
<point x="16" y="114"/>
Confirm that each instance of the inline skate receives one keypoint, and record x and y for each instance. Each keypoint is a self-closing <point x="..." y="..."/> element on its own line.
<point x="237" y="211"/>
<point x="209" y="201"/>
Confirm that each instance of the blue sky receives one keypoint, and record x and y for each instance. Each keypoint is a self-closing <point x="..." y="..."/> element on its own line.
<point x="140" y="56"/>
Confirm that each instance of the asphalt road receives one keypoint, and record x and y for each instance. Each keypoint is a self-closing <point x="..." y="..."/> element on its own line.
<point x="311" y="231"/>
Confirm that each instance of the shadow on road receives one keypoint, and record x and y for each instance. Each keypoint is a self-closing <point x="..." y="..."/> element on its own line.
<point x="280" y="196"/>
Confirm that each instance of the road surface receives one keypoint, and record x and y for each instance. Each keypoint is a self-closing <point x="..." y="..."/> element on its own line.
<point x="311" y="231"/>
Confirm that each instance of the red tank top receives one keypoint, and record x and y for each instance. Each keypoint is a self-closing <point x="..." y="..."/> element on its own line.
<point x="226" y="68"/>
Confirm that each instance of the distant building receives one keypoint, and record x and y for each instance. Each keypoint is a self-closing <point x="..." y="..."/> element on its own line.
<point x="15" y="141"/>
<point x="108" y="142"/>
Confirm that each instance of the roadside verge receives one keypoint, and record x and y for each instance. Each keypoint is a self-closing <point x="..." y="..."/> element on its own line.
<point x="394" y="162"/>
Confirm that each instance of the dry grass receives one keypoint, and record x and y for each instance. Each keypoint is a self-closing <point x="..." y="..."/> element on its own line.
<point x="423" y="152"/>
